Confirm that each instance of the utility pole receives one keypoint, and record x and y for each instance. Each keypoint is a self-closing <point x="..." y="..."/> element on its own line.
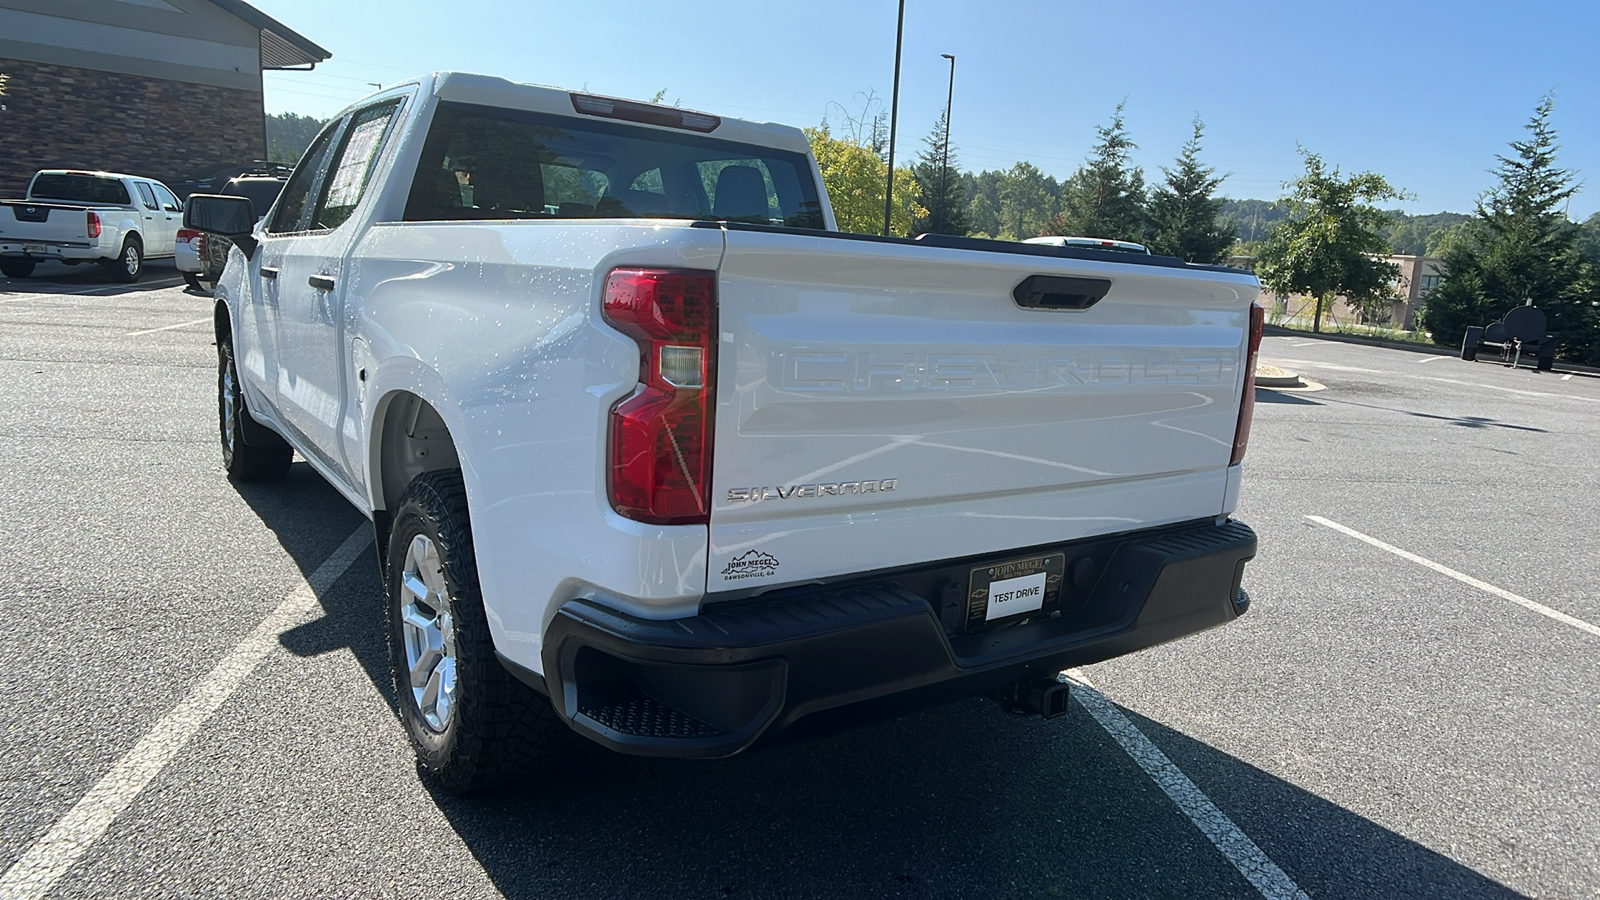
<point x="943" y="222"/>
<point x="894" y="117"/>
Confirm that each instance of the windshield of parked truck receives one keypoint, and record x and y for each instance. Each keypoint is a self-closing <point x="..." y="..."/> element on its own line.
<point x="488" y="163"/>
<point x="74" y="188"/>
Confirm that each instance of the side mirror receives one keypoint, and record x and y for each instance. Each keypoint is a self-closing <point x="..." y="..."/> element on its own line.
<point x="231" y="217"/>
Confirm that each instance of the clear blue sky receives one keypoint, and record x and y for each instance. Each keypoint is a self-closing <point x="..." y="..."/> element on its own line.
<point x="1425" y="92"/>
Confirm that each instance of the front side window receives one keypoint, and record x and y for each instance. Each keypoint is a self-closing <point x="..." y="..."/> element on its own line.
<point x="348" y="176"/>
<point x="291" y="214"/>
<point x="169" y="202"/>
<point x="488" y="163"/>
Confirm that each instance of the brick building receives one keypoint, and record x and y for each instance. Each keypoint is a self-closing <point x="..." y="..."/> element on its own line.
<point x="159" y="88"/>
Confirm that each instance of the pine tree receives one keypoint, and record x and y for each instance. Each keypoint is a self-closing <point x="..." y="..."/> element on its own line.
<point x="1185" y="213"/>
<point x="1105" y="197"/>
<point x="943" y="192"/>
<point x="1520" y="246"/>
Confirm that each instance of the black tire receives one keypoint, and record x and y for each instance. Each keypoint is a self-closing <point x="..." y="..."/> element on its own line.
<point x="499" y="731"/>
<point x="16" y="266"/>
<point x="250" y="451"/>
<point x="193" y="280"/>
<point x="129" y="264"/>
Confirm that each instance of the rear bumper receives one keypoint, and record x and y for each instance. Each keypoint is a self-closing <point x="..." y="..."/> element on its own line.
<point x="713" y="684"/>
<point x="44" y="250"/>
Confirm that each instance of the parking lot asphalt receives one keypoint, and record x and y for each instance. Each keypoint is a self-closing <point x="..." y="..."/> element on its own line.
<point x="1374" y="727"/>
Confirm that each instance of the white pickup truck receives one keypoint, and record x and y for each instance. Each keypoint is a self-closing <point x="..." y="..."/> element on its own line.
<point x="77" y="217"/>
<point x="656" y="455"/>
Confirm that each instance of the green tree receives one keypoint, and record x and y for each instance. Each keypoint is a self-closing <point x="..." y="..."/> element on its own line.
<point x="1326" y="245"/>
<point x="855" y="178"/>
<point x="1026" y="202"/>
<point x="1520" y="246"/>
<point x="942" y="190"/>
<point x="289" y="134"/>
<point x="1105" y="197"/>
<point x="982" y="215"/>
<point x="1185" y="213"/>
<point x="1589" y="239"/>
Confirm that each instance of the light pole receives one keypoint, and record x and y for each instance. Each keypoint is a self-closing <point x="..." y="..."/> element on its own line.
<point x="944" y="170"/>
<point x="894" y="116"/>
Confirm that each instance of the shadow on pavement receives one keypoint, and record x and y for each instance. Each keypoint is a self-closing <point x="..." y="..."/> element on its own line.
<point x="1327" y="849"/>
<point x="1268" y="395"/>
<point x="963" y="800"/>
<point x="1462" y="421"/>
<point x="57" y="278"/>
<point x="310" y="520"/>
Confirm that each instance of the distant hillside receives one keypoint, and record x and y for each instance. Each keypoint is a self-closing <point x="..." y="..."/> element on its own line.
<point x="1408" y="235"/>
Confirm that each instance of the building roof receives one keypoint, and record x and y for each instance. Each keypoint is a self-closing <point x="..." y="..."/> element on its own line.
<point x="281" y="46"/>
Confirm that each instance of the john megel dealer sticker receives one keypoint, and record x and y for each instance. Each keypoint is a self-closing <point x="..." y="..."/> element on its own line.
<point x="750" y="564"/>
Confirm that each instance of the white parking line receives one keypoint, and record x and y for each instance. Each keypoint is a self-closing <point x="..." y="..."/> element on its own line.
<point x="167" y="327"/>
<point x="1234" y="844"/>
<point x="1567" y="377"/>
<point x="1307" y="344"/>
<point x="1462" y="577"/>
<point x="1431" y="359"/>
<point x="52" y="856"/>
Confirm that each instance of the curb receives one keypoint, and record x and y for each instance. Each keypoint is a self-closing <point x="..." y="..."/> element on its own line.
<point x="1279" y="381"/>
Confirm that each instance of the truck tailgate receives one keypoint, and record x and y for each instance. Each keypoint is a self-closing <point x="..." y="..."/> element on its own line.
<point x="886" y="404"/>
<point x="23" y="221"/>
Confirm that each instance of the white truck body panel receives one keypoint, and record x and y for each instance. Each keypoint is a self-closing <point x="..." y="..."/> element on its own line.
<point x="847" y="362"/>
<point x="838" y="361"/>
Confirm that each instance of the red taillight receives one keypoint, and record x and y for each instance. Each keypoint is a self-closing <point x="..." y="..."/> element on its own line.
<point x="185" y="235"/>
<point x="93" y="225"/>
<point x="661" y="436"/>
<point x="1247" y="402"/>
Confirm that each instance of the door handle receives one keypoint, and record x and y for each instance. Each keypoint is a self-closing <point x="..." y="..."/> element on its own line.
<point x="321" y="282"/>
<point x="269" y="272"/>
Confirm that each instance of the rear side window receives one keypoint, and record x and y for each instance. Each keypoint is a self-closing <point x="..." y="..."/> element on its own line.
<point x="292" y="211"/>
<point x="347" y="180"/>
<point x="488" y="163"/>
<point x="80" y="189"/>
<point x="147" y="196"/>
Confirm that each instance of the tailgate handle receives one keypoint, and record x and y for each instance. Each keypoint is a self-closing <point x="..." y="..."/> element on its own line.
<point x="1060" y="292"/>
<point x="269" y="272"/>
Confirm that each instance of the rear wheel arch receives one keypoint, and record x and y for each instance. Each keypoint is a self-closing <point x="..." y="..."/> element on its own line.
<point x="409" y="438"/>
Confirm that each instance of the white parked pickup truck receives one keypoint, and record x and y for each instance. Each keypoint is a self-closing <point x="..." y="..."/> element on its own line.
<point x="77" y="217"/>
<point x="656" y="455"/>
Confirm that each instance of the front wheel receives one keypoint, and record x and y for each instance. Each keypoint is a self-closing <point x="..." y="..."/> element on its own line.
<point x="16" y="266"/>
<point x="472" y="725"/>
<point x="265" y="460"/>
<point x="129" y="264"/>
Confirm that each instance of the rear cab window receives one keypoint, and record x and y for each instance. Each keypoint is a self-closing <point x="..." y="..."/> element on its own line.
<point x="491" y="163"/>
<point x="80" y="188"/>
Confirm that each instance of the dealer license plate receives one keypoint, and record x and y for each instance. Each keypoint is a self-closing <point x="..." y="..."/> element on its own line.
<point x="1014" y="588"/>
